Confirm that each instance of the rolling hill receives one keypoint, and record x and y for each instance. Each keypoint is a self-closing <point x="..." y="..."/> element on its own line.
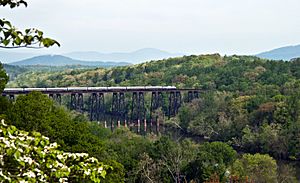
<point x="195" y="71"/>
<point x="283" y="53"/>
<point x="59" y="60"/>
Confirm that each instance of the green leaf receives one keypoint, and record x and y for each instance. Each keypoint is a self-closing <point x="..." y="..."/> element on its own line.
<point x="17" y="155"/>
<point x="18" y="41"/>
<point x="5" y="42"/>
<point x="40" y="33"/>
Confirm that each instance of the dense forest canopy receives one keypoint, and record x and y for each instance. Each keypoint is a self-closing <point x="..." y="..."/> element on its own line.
<point x="251" y="104"/>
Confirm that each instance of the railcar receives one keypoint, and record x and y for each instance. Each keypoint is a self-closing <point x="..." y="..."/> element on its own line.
<point x="77" y="88"/>
<point x="13" y="89"/>
<point x="97" y="88"/>
<point x="116" y="88"/>
<point x="34" y="89"/>
<point x="56" y="89"/>
<point x="135" y="88"/>
<point x="169" y="87"/>
<point x="153" y="87"/>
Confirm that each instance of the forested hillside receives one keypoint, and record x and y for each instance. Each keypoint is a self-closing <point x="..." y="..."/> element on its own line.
<point x="250" y="102"/>
<point x="212" y="72"/>
<point x="13" y="71"/>
<point x="251" y="105"/>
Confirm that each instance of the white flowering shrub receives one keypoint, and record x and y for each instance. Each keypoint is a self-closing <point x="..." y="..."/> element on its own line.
<point x="33" y="158"/>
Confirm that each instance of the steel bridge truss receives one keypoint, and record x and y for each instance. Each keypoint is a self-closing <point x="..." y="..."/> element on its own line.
<point x="124" y="108"/>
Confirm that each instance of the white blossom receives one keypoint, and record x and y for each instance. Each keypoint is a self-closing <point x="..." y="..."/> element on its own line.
<point x="100" y="169"/>
<point x="29" y="174"/>
<point x="2" y="123"/>
<point x="45" y="138"/>
<point x="88" y="172"/>
<point x="33" y="155"/>
<point x="60" y="156"/>
<point x="28" y="160"/>
<point x="30" y="138"/>
<point x="22" y="138"/>
<point x="92" y="159"/>
<point x="4" y="176"/>
<point x="11" y="136"/>
<point x="63" y="180"/>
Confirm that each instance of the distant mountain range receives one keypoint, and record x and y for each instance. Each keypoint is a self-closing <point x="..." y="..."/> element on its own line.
<point x="92" y="58"/>
<point x="283" y="53"/>
<point x="138" y="56"/>
<point x="59" y="60"/>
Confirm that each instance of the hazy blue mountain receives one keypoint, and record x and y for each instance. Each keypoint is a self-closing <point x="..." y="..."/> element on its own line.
<point x="9" y="56"/>
<point x="283" y="53"/>
<point x="59" y="60"/>
<point x="138" y="56"/>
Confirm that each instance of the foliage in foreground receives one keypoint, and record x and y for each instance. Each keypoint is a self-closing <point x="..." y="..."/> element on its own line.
<point x="11" y="37"/>
<point x="33" y="158"/>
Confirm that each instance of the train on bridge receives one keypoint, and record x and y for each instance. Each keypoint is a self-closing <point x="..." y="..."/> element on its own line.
<point x="88" y="89"/>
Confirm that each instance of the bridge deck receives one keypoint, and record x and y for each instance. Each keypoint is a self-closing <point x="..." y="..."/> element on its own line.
<point x="15" y="91"/>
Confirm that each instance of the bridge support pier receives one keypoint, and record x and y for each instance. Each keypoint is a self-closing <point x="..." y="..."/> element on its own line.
<point x="118" y="109"/>
<point x="122" y="107"/>
<point x="196" y="94"/>
<point x="178" y="101"/>
<point x="157" y="100"/>
<point x="77" y="102"/>
<point x="101" y="107"/>
<point x="114" y="109"/>
<point x="93" y="106"/>
<point x="12" y="98"/>
<point x="153" y="105"/>
<point x="192" y="95"/>
<point x="174" y="103"/>
<point x="73" y="103"/>
<point x="97" y="107"/>
<point x="80" y="102"/>
<point x="137" y="109"/>
<point x="58" y="98"/>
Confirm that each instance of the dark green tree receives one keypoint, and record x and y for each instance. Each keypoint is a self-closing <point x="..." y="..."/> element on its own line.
<point x="3" y="78"/>
<point x="173" y="157"/>
<point x="212" y="158"/>
<point x="258" y="167"/>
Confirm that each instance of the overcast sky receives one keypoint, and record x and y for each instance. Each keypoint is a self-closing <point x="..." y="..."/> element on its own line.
<point x="184" y="26"/>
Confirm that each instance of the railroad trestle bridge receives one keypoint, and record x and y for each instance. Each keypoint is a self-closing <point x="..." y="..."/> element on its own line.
<point x="119" y="106"/>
